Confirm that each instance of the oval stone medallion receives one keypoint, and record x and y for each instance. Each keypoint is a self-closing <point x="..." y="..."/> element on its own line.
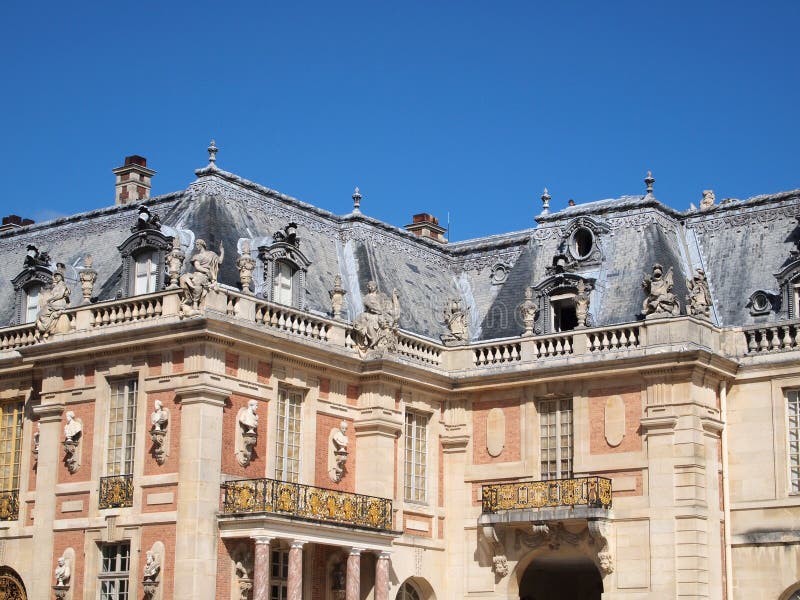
<point x="495" y="431"/>
<point x="615" y="420"/>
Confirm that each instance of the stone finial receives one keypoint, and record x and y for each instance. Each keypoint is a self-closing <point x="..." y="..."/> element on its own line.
<point x="212" y="153"/>
<point x="337" y="295"/>
<point x="529" y="311"/>
<point x="545" y="202"/>
<point x="88" y="276"/>
<point x="246" y="264"/>
<point x="708" y="200"/>
<point x="649" y="181"/>
<point x="356" y="201"/>
<point x="582" y="304"/>
<point x="174" y="262"/>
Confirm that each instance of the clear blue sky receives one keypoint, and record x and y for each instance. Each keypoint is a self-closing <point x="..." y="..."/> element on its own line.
<point x="467" y="107"/>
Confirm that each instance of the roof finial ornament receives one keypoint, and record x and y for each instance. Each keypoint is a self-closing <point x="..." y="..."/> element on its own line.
<point x="545" y="202"/>
<point x="212" y="153"/>
<point x="357" y="201"/>
<point x="649" y="181"/>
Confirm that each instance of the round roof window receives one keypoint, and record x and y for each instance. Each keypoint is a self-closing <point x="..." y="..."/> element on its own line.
<point x="582" y="243"/>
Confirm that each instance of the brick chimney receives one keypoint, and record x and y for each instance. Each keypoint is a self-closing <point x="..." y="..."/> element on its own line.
<point x="133" y="180"/>
<point x="427" y="226"/>
<point x="14" y="222"/>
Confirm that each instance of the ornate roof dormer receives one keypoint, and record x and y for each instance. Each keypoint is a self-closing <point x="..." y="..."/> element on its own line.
<point x="285" y="268"/>
<point x="143" y="255"/>
<point x="36" y="275"/>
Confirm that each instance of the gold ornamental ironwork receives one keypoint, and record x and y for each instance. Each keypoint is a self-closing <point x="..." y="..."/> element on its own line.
<point x="9" y="506"/>
<point x="307" y="502"/>
<point x="594" y="492"/>
<point x="116" y="491"/>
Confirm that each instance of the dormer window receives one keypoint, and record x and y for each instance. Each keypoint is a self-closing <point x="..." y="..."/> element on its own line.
<point x="285" y="268"/>
<point x="282" y="283"/>
<point x="146" y="277"/>
<point x="32" y="292"/>
<point x="35" y="276"/>
<point x="143" y="255"/>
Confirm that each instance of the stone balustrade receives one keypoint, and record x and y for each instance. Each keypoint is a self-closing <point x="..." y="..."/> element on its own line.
<point x="775" y="337"/>
<point x="290" y="320"/>
<point x="418" y="348"/>
<point x="497" y="353"/>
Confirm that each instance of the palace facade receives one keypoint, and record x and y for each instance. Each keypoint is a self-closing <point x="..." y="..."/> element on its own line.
<point x="227" y="393"/>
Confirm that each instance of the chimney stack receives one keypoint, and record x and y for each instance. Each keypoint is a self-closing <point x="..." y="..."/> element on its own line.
<point x="133" y="180"/>
<point x="427" y="226"/>
<point x="14" y="222"/>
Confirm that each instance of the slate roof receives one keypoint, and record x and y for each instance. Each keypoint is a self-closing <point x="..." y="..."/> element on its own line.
<point x="740" y="244"/>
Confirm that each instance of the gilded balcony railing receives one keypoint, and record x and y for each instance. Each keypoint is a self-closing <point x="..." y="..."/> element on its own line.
<point x="307" y="502"/>
<point x="594" y="492"/>
<point x="9" y="505"/>
<point x="116" y="491"/>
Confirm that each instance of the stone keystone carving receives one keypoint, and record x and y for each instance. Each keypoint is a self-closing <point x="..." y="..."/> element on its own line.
<point x="195" y="286"/>
<point x="87" y="276"/>
<point x="245" y="263"/>
<point x="528" y="311"/>
<point x="72" y="436"/>
<point x="159" y="421"/>
<point x="698" y="302"/>
<point x="49" y="320"/>
<point x="375" y="330"/>
<point x="174" y="262"/>
<point x="455" y="317"/>
<point x="337" y="452"/>
<point x="150" y="581"/>
<point x="337" y="295"/>
<point x="660" y="301"/>
<point x="248" y="433"/>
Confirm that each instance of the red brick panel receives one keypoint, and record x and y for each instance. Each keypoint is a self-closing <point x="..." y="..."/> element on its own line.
<point x="264" y="372"/>
<point x="70" y="539"/>
<point x="154" y="364"/>
<point x="164" y="533"/>
<point x="170" y="402"/>
<point x="407" y="516"/>
<point x="160" y="489"/>
<point x="321" y="478"/>
<point x="324" y="388"/>
<point x="82" y="496"/>
<point x="632" y="440"/>
<point x="231" y="364"/>
<point x="353" y="391"/>
<point x="177" y="361"/>
<point x="511" y="449"/>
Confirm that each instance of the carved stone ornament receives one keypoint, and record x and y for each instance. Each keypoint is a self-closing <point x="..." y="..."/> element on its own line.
<point x="582" y="304"/>
<point x="337" y="295"/>
<point x="598" y="537"/>
<point x="337" y="452"/>
<point x="173" y="261"/>
<point x="497" y="550"/>
<point x="146" y="220"/>
<point x="285" y="251"/>
<point x="88" y="276"/>
<point x="528" y="311"/>
<point x="159" y="422"/>
<point x="195" y="285"/>
<point x="708" y="200"/>
<point x="73" y="431"/>
<point x="455" y="317"/>
<point x="152" y="570"/>
<point x="63" y="575"/>
<point x="36" y="435"/>
<point x="499" y="273"/>
<point x="500" y="565"/>
<point x="698" y="301"/>
<point x="244" y="576"/>
<point x="247" y="432"/>
<point x="246" y="264"/>
<point x="660" y="301"/>
<point x="375" y="330"/>
<point x="52" y="318"/>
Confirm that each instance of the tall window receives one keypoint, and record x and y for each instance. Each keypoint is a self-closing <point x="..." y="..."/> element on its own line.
<point x="407" y="592"/>
<point x="287" y="442"/>
<point x="279" y="574"/>
<point x="793" y="439"/>
<point x="121" y="427"/>
<point x="146" y="275"/>
<point x="10" y="438"/>
<point x="32" y="302"/>
<point x="416" y="457"/>
<point x="555" y="438"/>
<point x="282" y="287"/>
<point x="114" y="571"/>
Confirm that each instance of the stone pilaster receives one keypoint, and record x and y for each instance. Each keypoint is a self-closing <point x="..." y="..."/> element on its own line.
<point x="198" y="492"/>
<point x="261" y="568"/>
<point x="294" y="588"/>
<point x="382" y="577"/>
<point x="354" y="575"/>
<point x="49" y="461"/>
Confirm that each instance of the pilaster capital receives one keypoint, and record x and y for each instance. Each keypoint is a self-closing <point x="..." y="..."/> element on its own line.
<point x="49" y="413"/>
<point x="298" y="544"/>
<point x="262" y="539"/>
<point x="202" y="394"/>
<point x="354" y="551"/>
<point x="384" y="555"/>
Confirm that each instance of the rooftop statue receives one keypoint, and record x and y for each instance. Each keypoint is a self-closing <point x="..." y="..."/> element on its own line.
<point x="660" y="301"/>
<point x="698" y="301"/>
<point x="375" y="330"/>
<point x="195" y="286"/>
<point x="455" y="317"/>
<point x="55" y="305"/>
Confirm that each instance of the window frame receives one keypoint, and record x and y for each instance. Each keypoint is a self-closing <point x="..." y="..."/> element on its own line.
<point x="563" y="407"/>
<point x="13" y="452"/>
<point x="118" y="575"/>
<point x="792" y="398"/>
<point x="153" y="260"/>
<point x="289" y="411"/>
<point x="126" y="462"/>
<point x="415" y="485"/>
<point x="278" y="563"/>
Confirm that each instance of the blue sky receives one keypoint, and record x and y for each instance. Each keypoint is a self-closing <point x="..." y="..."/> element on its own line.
<point x="463" y="107"/>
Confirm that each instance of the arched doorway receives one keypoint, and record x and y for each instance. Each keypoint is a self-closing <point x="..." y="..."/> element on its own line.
<point x="561" y="578"/>
<point x="11" y="586"/>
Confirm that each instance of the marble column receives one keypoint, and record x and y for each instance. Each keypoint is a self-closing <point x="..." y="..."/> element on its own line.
<point x="382" y="577"/>
<point x="354" y="575"/>
<point x="261" y="568"/>
<point x="294" y="587"/>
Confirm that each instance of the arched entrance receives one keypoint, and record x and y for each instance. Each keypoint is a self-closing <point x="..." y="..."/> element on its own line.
<point x="561" y="578"/>
<point x="11" y="586"/>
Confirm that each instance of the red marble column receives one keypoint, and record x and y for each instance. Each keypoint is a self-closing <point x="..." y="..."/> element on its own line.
<point x="382" y="577"/>
<point x="294" y="587"/>
<point x="354" y="574"/>
<point x="261" y="568"/>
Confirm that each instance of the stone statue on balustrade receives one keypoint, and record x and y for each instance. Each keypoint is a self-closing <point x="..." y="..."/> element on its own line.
<point x="375" y="330"/>
<point x="660" y="301"/>
<point x="529" y="311"/>
<point x="698" y="301"/>
<point x="455" y="317"/>
<point x="56" y="302"/>
<point x="174" y="262"/>
<point x="195" y="285"/>
<point x="246" y="264"/>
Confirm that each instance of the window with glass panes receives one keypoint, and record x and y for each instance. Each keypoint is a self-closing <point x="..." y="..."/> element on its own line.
<point x="416" y="443"/>
<point x="287" y="441"/>
<point x="555" y="438"/>
<point x="114" y="570"/>
<point x="32" y="302"/>
<point x="10" y="440"/>
<point x="146" y="275"/>
<point x="793" y="439"/>
<point x="407" y="591"/>
<point x="279" y="574"/>
<point x="282" y="284"/>
<point x="121" y="427"/>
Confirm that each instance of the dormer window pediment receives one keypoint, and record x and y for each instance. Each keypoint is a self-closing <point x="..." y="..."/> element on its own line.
<point x="581" y="244"/>
<point x="285" y="268"/>
<point x="143" y="256"/>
